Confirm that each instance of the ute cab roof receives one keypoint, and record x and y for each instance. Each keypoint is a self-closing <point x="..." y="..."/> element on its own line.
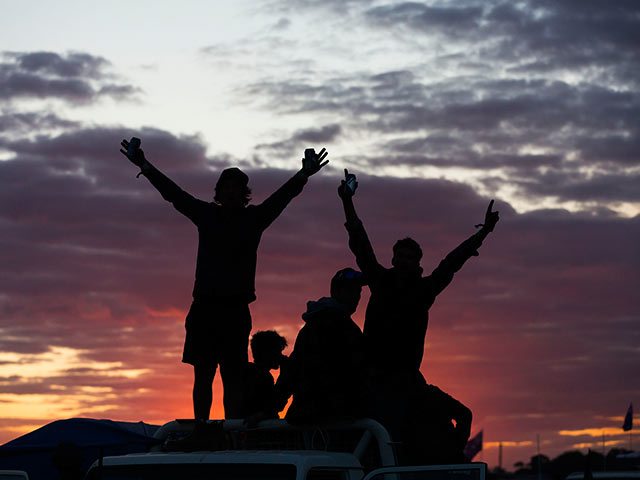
<point x="302" y="458"/>
<point x="230" y="465"/>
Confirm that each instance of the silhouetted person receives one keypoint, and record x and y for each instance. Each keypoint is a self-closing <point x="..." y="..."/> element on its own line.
<point x="397" y="314"/>
<point x="260" y="401"/>
<point x="324" y="372"/>
<point x="229" y="231"/>
<point x="432" y="438"/>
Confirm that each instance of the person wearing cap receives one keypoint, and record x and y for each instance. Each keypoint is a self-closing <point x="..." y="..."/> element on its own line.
<point x="229" y="230"/>
<point x="324" y="370"/>
<point x="397" y="316"/>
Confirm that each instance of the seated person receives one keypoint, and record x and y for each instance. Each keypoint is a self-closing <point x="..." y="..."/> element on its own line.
<point x="432" y="438"/>
<point x="325" y="369"/>
<point x="266" y="348"/>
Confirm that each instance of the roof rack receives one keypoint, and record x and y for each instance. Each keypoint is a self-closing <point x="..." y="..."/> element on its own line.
<point x="364" y="438"/>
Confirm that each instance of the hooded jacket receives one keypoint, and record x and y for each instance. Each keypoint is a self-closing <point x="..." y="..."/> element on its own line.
<point x="324" y="371"/>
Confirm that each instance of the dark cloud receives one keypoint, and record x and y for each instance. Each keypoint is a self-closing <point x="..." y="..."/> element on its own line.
<point x="563" y="36"/>
<point x="328" y="133"/>
<point x="530" y="95"/>
<point x="23" y="85"/>
<point x="73" y="65"/>
<point x="397" y="102"/>
<point x="532" y="36"/>
<point x="118" y="92"/>
<point x="449" y="20"/>
<point x="525" y="165"/>
<point x="95" y="260"/>
<point x="22" y="123"/>
<point x="282" y="24"/>
<point x="303" y="138"/>
<point x="577" y="126"/>
<point x="74" y="189"/>
<point x="76" y="78"/>
<point x="567" y="185"/>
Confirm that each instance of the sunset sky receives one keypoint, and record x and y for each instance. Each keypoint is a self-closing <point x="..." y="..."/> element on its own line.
<point x="436" y="106"/>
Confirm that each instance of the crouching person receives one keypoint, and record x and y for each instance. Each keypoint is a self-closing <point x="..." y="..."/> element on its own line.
<point x="260" y="400"/>
<point x="431" y="438"/>
<point x="325" y="369"/>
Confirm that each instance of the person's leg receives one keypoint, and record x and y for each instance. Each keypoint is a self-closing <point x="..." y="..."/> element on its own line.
<point x="233" y="375"/>
<point x="198" y="353"/>
<point x="202" y="390"/>
<point x="233" y="362"/>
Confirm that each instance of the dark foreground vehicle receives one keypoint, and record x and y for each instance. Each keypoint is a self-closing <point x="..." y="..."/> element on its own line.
<point x="275" y="450"/>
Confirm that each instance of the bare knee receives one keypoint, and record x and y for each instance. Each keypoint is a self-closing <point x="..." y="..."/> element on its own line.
<point x="203" y="375"/>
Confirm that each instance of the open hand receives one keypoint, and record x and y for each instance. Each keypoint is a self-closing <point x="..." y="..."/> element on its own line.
<point x="314" y="164"/>
<point x="344" y="190"/>
<point x="137" y="156"/>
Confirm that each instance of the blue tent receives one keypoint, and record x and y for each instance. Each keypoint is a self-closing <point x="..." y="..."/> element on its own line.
<point x="73" y="443"/>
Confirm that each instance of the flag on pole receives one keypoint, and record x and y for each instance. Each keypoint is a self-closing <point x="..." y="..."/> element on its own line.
<point x="628" y="419"/>
<point x="473" y="446"/>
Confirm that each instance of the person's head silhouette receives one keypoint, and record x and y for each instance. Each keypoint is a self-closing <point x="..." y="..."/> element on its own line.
<point x="232" y="189"/>
<point x="346" y="287"/>
<point x="267" y="347"/>
<point x="406" y="255"/>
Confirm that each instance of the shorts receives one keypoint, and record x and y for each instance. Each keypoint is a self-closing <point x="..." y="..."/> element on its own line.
<point x="217" y="332"/>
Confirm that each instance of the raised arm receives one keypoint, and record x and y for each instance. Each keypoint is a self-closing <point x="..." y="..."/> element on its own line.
<point x="443" y="274"/>
<point x="170" y="191"/>
<point x="358" y="239"/>
<point x="273" y="206"/>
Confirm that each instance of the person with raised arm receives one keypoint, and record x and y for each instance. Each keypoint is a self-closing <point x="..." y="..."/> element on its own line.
<point x="397" y="316"/>
<point x="229" y="230"/>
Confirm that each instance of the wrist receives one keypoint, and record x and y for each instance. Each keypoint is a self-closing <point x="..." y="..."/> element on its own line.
<point x="482" y="233"/>
<point x="302" y="174"/>
<point x="145" y="166"/>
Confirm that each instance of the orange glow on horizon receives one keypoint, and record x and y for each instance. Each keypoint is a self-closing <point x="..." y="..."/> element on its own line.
<point x="595" y="432"/>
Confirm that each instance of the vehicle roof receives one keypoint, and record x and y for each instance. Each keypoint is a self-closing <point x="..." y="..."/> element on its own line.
<point x="365" y="439"/>
<point x="304" y="459"/>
